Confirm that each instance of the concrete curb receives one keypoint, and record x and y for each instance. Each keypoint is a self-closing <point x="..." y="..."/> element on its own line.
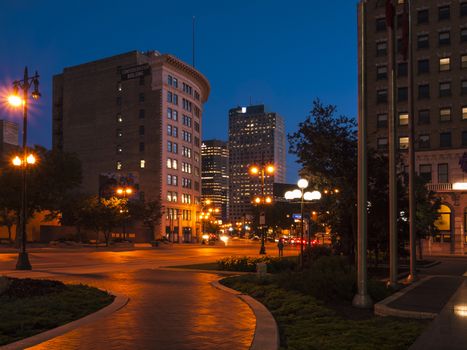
<point x="266" y="335"/>
<point x="382" y="308"/>
<point x="119" y="302"/>
<point x="219" y="272"/>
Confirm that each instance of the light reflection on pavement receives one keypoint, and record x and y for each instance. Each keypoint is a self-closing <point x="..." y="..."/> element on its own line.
<point x="168" y="309"/>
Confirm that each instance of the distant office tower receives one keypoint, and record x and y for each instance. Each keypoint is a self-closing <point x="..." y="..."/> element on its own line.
<point x="440" y="102"/>
<point x="256" y="136"/>
<point x="135" y="119"/>
<point x="8" y="141"/>
<point x="215" y="174"/>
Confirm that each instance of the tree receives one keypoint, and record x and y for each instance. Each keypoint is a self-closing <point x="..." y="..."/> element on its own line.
<point x="149" y="213"/>
<point x="8" y="219"/>
<point x="326" y="147"/>
<point x="49" y="182"/>
<point x="100" y="214"/>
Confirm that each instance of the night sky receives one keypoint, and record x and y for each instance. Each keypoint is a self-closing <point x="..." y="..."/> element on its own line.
<point x="280" y="53"/>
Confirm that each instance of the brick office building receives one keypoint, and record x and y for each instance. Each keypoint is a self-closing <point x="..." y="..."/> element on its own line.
<point x="135" y="119"/>
<point x="440" y="103"/>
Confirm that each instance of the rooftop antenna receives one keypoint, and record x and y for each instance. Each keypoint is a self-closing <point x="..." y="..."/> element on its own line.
<point x="193" y="42"/>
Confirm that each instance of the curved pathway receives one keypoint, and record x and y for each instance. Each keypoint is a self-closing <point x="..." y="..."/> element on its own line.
<point x="168" y="309"/>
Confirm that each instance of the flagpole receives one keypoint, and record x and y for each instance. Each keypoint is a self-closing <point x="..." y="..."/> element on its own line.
<point x="362" y="299"/>
<point x="392" y="141"/>
<point x="412" y="201"/>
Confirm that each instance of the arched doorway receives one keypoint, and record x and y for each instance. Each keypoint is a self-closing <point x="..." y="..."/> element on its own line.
<point x="443" y="224"/>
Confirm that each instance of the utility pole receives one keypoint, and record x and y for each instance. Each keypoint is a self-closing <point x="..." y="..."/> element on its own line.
<point x="412" y="201"/>
<point x="392" y="142"/>
<point x="362" y="298"/>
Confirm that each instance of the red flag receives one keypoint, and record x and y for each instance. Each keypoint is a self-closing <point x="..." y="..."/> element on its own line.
<point x="390" y="11"/>
<point x="405" y="30"/>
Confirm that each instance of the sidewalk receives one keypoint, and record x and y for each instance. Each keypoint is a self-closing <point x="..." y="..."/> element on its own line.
<point x="449" y="330"/>
<point x="430" y="296"/>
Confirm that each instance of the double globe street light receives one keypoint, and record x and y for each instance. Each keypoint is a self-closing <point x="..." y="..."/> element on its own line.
<point x="303" y="196"/>
<point x="25" y="159"/>
<point x="262" y="200"/>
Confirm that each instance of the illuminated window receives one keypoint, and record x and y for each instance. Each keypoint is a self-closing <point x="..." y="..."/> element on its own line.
<point x="119" y="165"/>
<point x="119" y="118"/>
<point x="445" y="114"/>
<point x="142" y="163"/>
<point x="443" y="223"/>
<point x="444" y="64"/>
<point x="403" y="118"/>
<point x="119" y="149"/>
<point x="403" y="142"/>
<point x="169" y="163"/>
<point x="464" y="61"/>
<point x="119" y="86"/>
<point x="464" y="113"/>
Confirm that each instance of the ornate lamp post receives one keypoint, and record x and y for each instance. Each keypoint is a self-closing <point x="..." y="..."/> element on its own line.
<point x="303" y="196"/>
<point x="262" y="171"/>
<point x="16" y="101"/>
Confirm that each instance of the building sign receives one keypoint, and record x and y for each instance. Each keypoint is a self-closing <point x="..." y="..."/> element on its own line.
<point x="135" y="71"/>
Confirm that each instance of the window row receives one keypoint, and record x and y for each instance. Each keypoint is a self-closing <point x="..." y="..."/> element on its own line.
<point x="187" y="105"/>
<point x="186" y="183"/>
<point x="172" y="130"/>
<point x="172" y="98"/>
<point x="172" y="164"/>
<point x="423" y="16"/>
<point x="172" y="114"/>
<point x="445" y="114"/>
<point x="186" y="152"/>
<point x="172" y="180"/>
<point x="423" y="67"/>
<point x="119" y="164"/>
<point x="172" y="147"/>
<point x="423" y="141"/>
<point x="444" y="90"/>
<point x="173" y="82"/>
<point x="425" y="171"/>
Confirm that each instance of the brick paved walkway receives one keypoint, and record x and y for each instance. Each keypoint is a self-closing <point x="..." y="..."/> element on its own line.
<point x="167" y="310"/>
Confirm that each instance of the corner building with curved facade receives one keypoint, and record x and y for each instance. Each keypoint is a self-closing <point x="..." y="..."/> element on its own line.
<point x="135" y="119"/>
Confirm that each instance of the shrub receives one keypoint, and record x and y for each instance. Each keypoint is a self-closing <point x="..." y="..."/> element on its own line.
<point x="247" y="264"/>
<point x="313" y="253"/>
<point x="25" y="288"/>
<point x="328" y="278"/>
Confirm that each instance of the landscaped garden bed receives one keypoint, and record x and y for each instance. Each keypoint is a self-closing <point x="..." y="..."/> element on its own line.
<point x="313" y="308"/>
<point x="29" y="307"/>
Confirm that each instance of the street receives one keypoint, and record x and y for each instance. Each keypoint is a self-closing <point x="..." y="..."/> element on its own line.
<point x="168" y="309"/>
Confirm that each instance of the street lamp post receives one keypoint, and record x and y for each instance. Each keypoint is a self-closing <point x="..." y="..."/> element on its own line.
<point x="124" y="192"/>
<point x="262" y="171"/>
<point x="206" y="214"/>
<point x="303" y="196"/>
<point x="16" y="101"/>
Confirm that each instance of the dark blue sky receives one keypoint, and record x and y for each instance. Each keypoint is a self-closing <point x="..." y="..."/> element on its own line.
<point x="280" y="53"/>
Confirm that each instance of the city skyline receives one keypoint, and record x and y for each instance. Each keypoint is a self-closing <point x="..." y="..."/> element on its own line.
<point x="237" y="77"/>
